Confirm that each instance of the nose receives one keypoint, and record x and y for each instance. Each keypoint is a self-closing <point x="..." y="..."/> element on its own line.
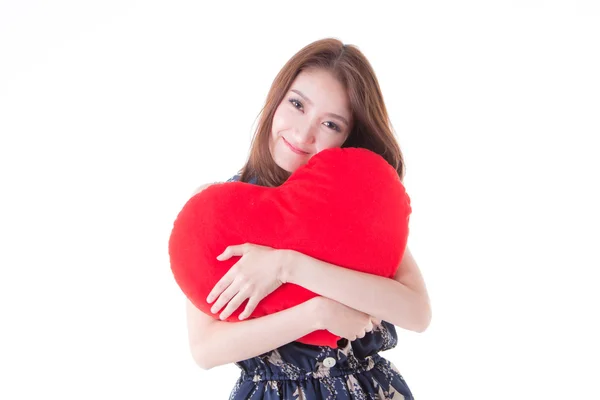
<point x="304" y="134"/>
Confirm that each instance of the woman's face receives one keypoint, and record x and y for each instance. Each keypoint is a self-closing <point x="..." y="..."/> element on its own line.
<point x="314" y="115"/>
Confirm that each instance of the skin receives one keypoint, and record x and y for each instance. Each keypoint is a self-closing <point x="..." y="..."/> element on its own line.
<point x="304" y="121"/>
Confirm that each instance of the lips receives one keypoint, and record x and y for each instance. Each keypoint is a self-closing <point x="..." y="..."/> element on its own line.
<point x="295" y="149"/>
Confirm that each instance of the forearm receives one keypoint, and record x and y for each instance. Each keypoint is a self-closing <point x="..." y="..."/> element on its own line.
<point x="227" y="342"/>
<point x="385" y="299"/>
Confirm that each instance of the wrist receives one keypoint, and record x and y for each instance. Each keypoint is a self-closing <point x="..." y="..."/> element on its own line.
<point x="317" y="310"/>
<point x="288" y="261"/>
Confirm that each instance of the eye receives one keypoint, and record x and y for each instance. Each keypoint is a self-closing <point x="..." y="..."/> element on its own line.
<point x="294" y="102"/>
<point x="335" y="126"/>
<point x="298" y="105"/>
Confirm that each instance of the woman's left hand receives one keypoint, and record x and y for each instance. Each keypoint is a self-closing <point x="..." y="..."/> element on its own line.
<point x="254" y="276"/>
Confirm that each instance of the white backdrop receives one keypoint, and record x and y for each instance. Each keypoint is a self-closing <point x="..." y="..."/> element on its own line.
<point x="113" y="112"/>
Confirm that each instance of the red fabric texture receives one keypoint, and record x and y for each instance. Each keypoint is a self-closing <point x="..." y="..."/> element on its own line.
<point x="346" y="206"/>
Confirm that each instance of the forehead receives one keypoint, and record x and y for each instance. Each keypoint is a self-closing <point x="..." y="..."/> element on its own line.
<point x="323" y="90"/>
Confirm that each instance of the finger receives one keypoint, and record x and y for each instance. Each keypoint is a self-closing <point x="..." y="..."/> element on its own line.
<point x="233" y="305"/>
<point x="225" y="297"/>
<point x="230" y="251"/>
<point x="252" y="303"/>
<point x="223" y="284"/>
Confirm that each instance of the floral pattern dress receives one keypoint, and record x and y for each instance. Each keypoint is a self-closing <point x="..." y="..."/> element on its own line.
<point x="297" y="371"/>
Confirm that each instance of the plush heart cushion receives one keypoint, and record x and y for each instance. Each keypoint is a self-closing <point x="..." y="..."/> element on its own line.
<point x="346" y="206"/>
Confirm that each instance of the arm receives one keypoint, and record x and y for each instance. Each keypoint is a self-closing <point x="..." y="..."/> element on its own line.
<point x="213" y="342"/>
<point x="404" y="305"/>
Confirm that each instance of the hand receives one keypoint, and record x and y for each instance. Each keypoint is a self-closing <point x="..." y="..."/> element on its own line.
<point x="256" y="274"/>
<point x="345" y="321"/>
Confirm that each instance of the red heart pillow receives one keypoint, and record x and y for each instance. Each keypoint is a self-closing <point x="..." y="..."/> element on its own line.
<point x="346" y="206"/>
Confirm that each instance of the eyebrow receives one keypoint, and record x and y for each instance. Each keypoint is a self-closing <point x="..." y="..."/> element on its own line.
<point x="330" y="114"/>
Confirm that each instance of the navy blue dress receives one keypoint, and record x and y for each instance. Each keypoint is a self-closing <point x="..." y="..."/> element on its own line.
<point x="353" y="370"/>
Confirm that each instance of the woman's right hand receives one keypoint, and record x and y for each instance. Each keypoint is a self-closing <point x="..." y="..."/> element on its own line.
<point x="344" y="321"/>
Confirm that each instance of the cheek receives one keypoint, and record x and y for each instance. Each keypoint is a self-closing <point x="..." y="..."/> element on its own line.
<point x="278" y="123"/>
<point x="283" y="119"/>
<point x="329" y="141"/>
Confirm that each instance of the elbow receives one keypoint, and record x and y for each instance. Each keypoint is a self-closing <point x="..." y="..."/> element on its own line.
<point x="417" y="322"/>
<point x="204" y="365"/>
<point x="205" y="368"/>
<point x="201" y="359"/>
<point x="418" y="318"/>
<point x="422" y="328"/>
<point x="425" y="319"/>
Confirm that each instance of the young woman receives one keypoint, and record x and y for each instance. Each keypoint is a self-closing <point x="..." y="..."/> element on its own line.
<point x="325" y="96"/>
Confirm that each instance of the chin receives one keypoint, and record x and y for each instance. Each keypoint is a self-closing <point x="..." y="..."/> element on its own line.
<point x="283" y="160"/>
<point x="286" y="166"/>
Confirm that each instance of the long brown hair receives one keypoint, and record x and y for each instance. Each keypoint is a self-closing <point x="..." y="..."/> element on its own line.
<point x="372" y="128"/>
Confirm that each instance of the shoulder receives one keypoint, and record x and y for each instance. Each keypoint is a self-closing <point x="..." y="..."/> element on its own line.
<point x="237" y="177"/>
<point x="201" y="188"/>
<point x="234" y="178"/>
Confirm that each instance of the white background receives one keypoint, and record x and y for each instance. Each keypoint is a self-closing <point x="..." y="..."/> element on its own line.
<point x="113" y="112"/>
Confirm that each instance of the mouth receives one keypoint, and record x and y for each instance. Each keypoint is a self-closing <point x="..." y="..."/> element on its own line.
<point x="294" y="149"/>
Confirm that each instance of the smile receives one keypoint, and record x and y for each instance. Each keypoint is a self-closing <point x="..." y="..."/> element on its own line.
<point x="294" y="149"/>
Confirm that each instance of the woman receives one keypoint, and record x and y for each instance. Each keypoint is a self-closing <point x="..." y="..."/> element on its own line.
<point x="325" y="96"/>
